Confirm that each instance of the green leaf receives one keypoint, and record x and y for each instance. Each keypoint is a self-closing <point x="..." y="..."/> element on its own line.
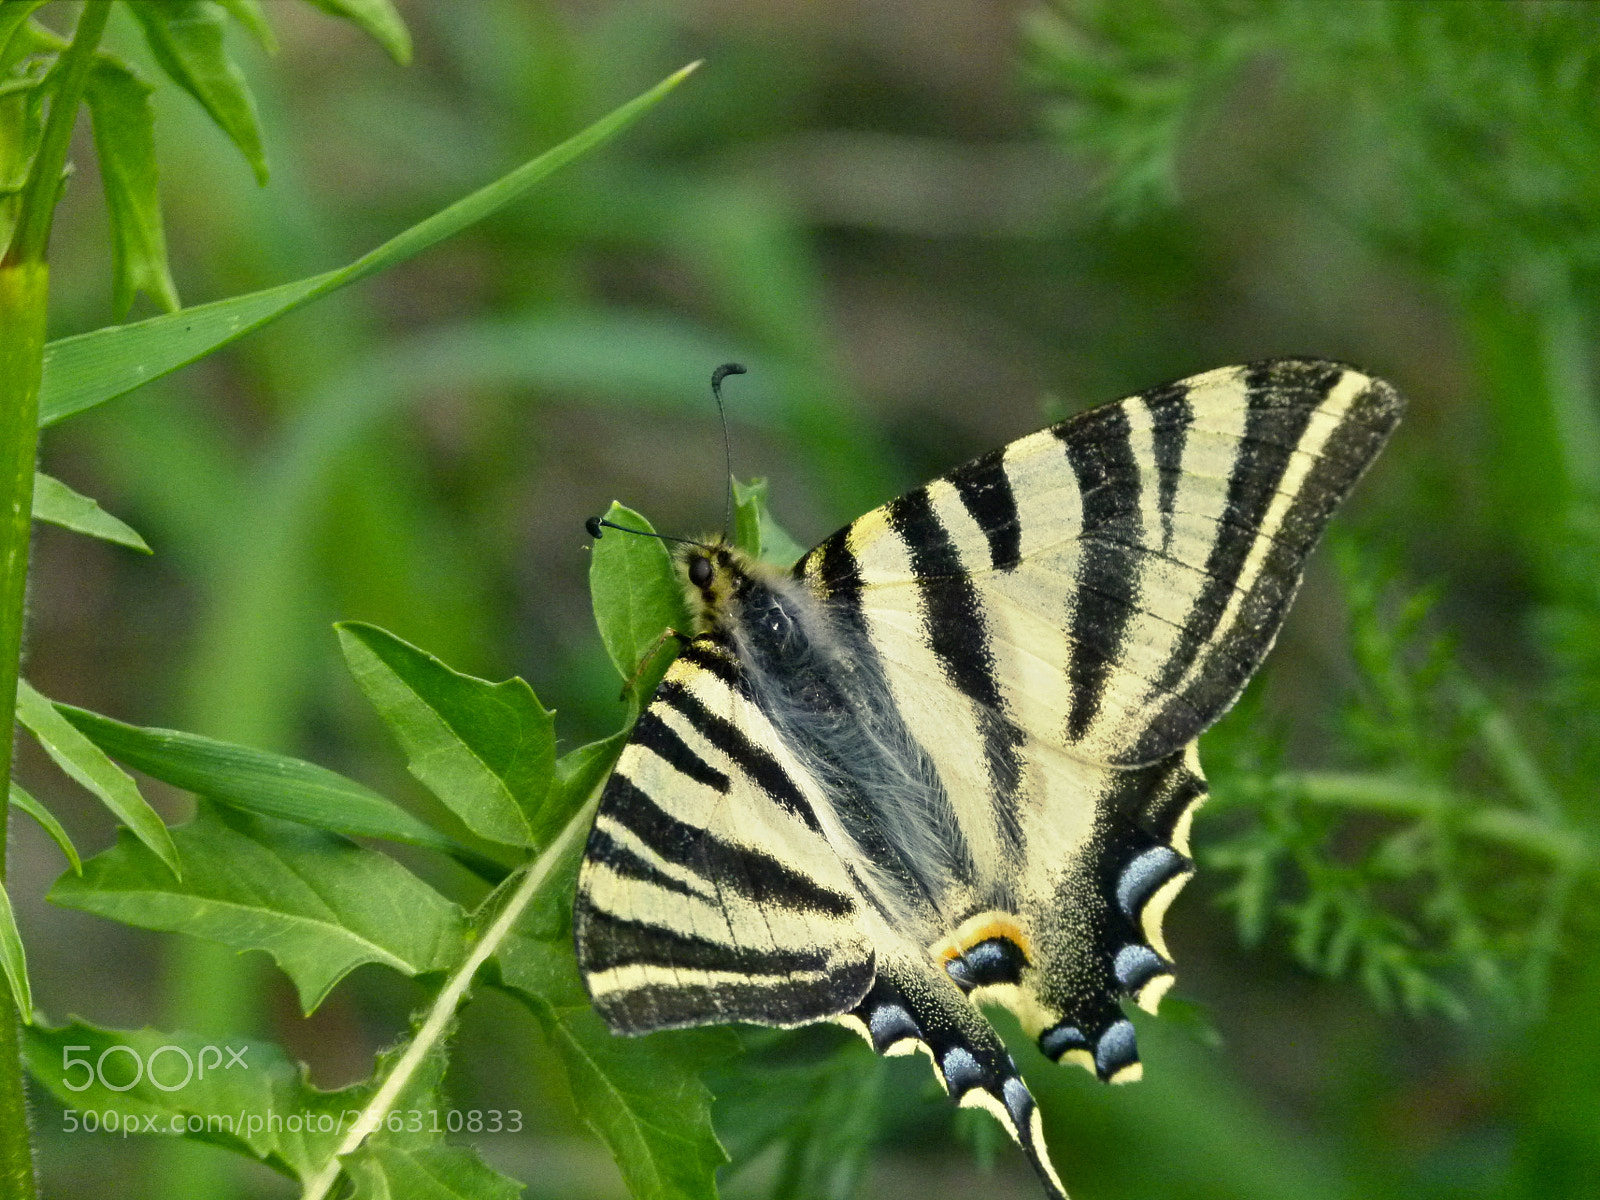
<point x="250" y="14"/>
<point x="13" y="20"/>
<point x="813" y="1099"/>
<point x="234" y="1093"/>
<point x="124" y="143"/>
<point x="638" y="597"/>
<point x="486" y="750"/>
<point x="578" y="773"/>
<point x="319" y="904"/>
<point x="272" y="785"/>
<point x="14" y="960"/>
<point x="383" y="1170"/>
<point x="47" y="821"/>
<point x="91" y="368"/>
<point x="84" y="761"/>
<point x="55" y="502"/>
<point x="643" y="1096"/>
<point x="27" y="58"/>
<point x="187" y="38"/>
<point x="379" y="19"/>
<point x="754" y="530"/>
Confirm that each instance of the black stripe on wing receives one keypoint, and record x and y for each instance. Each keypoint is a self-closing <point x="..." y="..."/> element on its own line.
<point x="625" y="861"/>
<point x="1279" y="409"/>
<point x="1171" y="415"/>
<point x="957" y="631"/>
<point x="619" y="942"/>
<point x="985" y="491"/>
<point x="1100" y="451"/>
<point x="1283" y="395"/>
<point x="710" y="653"/>
<point x="656" y="735"/>
<point x="753" y="874"/>
<point x="762" y="768"/>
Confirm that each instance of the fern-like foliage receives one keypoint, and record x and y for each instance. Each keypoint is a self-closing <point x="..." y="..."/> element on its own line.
<point x="1442" y="866"/>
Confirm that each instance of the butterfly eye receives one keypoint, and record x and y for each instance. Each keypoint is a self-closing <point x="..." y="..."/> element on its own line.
<point x="699" y="571"/>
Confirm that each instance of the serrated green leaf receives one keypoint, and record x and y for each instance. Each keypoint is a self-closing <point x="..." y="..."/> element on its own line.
<point x="383" y="1170"/>
<point x="257" y="781"/>
<point x="642" y="1096"/>
<point x="250" y="14"/>
<point x="23" y="802"/>
<point x="125" y="145"/>
<point x="319" y="904"/>
<point x="235" y="1093"/>
<point x="55" y="502"/>
<point x="89" y="369"/>
<point x="87" y="763"/>
<point x="486" y="750"/>
<point x="638" y="597"/>
<point x="188" y="40"/>
<point x="379" y="19"/>
<point x="14" y="960"/>
<point x="755" y="530"/>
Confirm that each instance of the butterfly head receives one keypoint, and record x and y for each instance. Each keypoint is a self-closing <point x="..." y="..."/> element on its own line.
<point x="719" y="580"/>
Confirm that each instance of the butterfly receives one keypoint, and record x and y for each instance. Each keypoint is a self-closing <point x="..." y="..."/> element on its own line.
<point x="949" y="758"/>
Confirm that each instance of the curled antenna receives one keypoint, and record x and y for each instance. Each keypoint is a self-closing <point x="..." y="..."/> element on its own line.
<point x="717" y="377"/>
<point x="598" y="525"/>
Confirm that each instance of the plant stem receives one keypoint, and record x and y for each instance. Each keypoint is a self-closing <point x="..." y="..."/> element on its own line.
<point x="450" y="997"/>
<point x="43" y="187"/>
<point x="1509" y="827"/>
<point x="24" y="296"/>
<point x="23" y="292"/>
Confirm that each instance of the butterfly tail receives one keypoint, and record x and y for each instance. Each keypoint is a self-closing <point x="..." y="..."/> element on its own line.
<point x="909" y="1009"/>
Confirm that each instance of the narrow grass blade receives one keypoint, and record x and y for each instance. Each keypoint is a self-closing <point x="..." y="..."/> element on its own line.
<point x="91" y="368"/>
<point x="257" y="781"/>
<point x="23" y="802"/>
<point x="14" y="960"/>
<point x="55" y="502"/>
<point x="87" y="763"/>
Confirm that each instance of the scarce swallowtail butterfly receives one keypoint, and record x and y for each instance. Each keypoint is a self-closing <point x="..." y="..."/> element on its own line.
<point x="949" y="758"/>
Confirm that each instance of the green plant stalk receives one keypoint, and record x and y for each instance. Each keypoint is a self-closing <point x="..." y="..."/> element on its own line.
<point x="1512" y="828"/>
<point x="23" y="292"/>
<point x="441" y="1014"/>
<point x="43" y="187"/>
<point x="24" y="296"/>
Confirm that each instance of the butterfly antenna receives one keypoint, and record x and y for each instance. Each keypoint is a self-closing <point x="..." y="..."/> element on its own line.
<point x="598" y="525"/>
<point x="717" y="377"/>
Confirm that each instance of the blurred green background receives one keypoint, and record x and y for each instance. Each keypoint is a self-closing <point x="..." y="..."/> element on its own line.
<point x="928" y="226"/>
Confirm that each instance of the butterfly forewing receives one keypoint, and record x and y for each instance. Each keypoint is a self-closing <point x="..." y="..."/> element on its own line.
<point x="708" y="892"/>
